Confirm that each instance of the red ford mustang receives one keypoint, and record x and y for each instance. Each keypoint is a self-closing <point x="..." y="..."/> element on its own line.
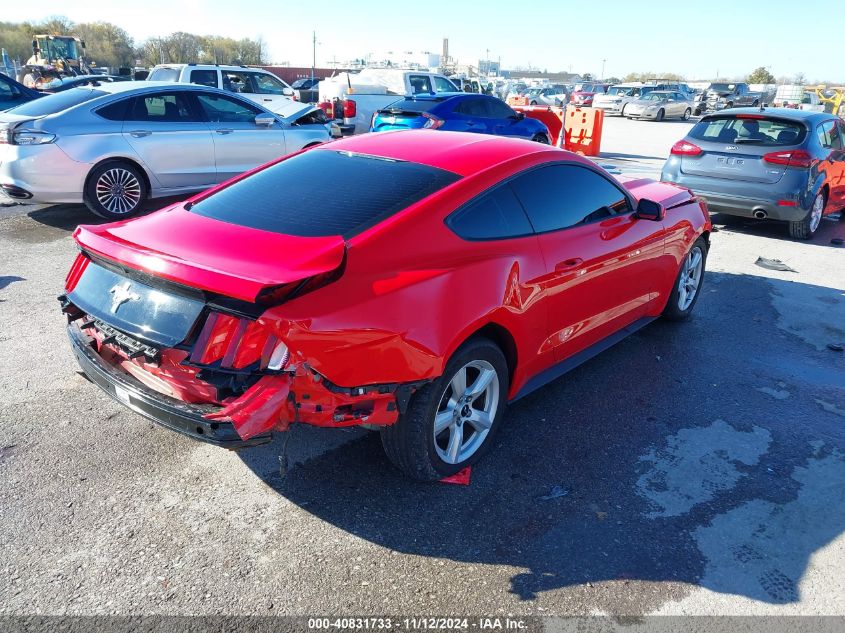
<point x="412" y="281"/>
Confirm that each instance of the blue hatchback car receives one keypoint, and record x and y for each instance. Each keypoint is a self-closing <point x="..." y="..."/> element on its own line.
<point x="482" y="114"/>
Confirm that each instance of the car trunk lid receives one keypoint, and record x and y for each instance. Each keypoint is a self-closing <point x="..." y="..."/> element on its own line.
<point x="733" y="161"/>
<point x="211" y="255"/>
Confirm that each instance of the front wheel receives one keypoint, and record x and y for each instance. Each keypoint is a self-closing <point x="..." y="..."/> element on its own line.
<point x="533" y="103"/>
<point x="687" y="114"/>
<point x="688" y="283"/>
<point x="805" y="228"/>
<point x="623" y="110"/>
<point x="115" y="190"/>
<point x="660" y="115"/>
<point x="450" y="422"/>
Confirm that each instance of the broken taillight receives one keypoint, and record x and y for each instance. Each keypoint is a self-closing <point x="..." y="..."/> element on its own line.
<point x="75" y="273"/>
<point x="232" y="342"/>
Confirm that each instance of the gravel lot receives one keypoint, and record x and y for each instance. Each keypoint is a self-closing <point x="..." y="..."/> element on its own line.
<point x="694" y="468"/>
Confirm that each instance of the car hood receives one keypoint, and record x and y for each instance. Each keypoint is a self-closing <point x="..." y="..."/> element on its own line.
<point x="211" y="255"/>
<point x="289" y="109"/>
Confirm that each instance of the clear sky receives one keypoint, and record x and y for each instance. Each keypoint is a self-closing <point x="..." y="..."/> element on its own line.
<point x="694" y="39"/>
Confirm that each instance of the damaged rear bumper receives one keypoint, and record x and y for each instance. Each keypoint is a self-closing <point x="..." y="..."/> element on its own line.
<point x="171" y="413"/>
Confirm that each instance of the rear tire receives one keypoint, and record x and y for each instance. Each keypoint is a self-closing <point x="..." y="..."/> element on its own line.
<point x="805" y="228"/>
<point x="533" y="103"/>
<point x="541" y="138"/>
<point x="623" y="110"/>
<point x="115" y="190"/>
<point x="688" y="283"/>
<point x="413" y="444"/>
<point x="660" y="115"/>
<point x="687" y="114"/>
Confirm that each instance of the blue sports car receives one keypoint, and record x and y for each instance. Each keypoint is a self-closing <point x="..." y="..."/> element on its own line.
<point x="459" y="113"/>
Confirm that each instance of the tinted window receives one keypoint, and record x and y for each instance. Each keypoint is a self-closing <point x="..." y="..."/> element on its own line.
<point x="472" y="107"/>
<point x="166" y="107"/>
<point x="57" y="102"/>
<point x="560" y="196"/>
<point x="115" y="111"/>
<point x="495" y="215"/>
<point x="220" y="109"/>
<point x="355" y="192"/>
<point x="762" y="131"/>
<point x="204" y="78"/>
<point x="7" y="90"/>
<point x="165" y="74"/>
<point x="498" y="109"/>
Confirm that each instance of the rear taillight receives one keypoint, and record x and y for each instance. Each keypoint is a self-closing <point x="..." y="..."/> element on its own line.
<point x="349" y="109"/>
<point x="75" y="273"/>
<point x="432" y="122"/>
<point x="232" y="342"/>
<point x="791" y="158"/>
<point x="685" y="148"/>
<point x="326" y="106"/>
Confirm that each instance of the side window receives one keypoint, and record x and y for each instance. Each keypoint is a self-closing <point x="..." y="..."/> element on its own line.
<point x="560" y="196"/>
<point x="836" y="141"/>
<point x="267" y="84"/>
<point x="498" y="109"/>
<point x="472" y="107"/>
<point x="825" y="133"/>
<point x="419" y="84"/>
<point x="234" y="81"/>
<point x="220" y="109"/>
<point x="115" y="111"/>
<point x="169" y="107"/>
<point x="441" y="84"/>
<point x="7" y="91"/>
<point x="494" y="215"/>
<point x="204" y="78"/>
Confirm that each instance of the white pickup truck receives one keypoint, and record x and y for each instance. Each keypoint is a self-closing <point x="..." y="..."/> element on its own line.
<point x="255" y="84"/>
<point x="355" y="97"/>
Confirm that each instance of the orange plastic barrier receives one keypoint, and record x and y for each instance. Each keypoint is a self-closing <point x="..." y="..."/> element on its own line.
<point x="583" y="128"/>
<point x="517" y="101"/>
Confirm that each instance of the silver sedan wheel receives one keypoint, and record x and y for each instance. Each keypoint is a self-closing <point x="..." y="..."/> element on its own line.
<point x="690" y="278"/>
<point x="466" y="412"/>
<point x="816" y="213"/>
<point x="118" y="190"/>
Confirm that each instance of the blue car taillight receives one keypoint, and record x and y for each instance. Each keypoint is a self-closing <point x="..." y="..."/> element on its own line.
<point x="432" y="122"/>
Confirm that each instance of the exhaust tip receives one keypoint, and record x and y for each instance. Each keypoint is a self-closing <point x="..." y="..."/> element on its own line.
<point x="16" y="193"/>
<point x="760" y="214"/>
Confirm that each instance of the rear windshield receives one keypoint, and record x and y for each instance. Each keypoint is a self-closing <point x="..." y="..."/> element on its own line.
<point x="165" y="74"/>
<point x="412" y="105"/>
<point x="322" y="192"/>
<point x="752" y="131"/>
<point x="57" y="102"/>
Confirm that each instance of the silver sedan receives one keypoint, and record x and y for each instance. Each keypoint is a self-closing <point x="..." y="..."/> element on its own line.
<point x="114" y="145"/>
<point x="659" y="105"/>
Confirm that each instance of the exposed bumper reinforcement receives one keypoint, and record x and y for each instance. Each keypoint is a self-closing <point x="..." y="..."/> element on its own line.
<point x="168" y="412"/>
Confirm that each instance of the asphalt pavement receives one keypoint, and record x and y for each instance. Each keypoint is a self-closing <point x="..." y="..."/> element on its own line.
<point x="694" y="468"/>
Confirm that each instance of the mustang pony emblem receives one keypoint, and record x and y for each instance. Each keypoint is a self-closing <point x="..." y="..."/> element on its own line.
<point x="122" y="294"/>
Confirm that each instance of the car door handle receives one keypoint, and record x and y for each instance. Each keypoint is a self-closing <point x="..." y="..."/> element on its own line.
<point x="140" y="133"/>
<point x="569" y="264"/>
<point x="227" y="131"/>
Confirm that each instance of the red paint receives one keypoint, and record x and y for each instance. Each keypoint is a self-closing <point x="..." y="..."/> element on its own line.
<point x="410" y="292"/>
<point x="460" y="478"/>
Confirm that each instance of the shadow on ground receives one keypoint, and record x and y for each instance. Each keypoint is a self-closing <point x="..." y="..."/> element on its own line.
<point x="685" y="453"/>
<point x="831" y="228"/>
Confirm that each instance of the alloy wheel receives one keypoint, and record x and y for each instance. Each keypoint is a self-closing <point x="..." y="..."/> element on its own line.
<point x="466" y="412"/>
<point x="816" y="213"/>
<point x="118" y="191"/>
<point x="690" y="278"/>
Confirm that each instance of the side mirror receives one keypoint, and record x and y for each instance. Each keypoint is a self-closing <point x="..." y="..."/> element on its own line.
<point x="34" y="46"/>
<point x="520" y="116"/>
<point x="288" y="92"/>
<point x="264" y="120"/>
<point x="650" y="210"/>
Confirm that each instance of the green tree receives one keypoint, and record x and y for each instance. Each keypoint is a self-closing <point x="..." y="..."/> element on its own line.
<point x="761" y="76"/>
<point x="106" y="44"/>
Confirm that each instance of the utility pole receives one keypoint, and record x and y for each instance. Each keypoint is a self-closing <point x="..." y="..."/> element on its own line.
<point x="487" y="62"/>
<point x="313" y="55"/>
<point x="602" y="69"/>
